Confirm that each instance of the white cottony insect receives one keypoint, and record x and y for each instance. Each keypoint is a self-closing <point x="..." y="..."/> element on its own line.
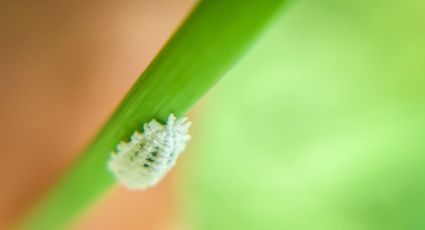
<point x="149" y="156"/>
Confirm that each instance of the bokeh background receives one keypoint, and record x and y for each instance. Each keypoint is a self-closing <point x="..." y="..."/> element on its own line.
<point x="320" y="126"/>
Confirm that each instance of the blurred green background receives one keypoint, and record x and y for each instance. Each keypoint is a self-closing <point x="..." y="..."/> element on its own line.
<point x="321" y="126"/>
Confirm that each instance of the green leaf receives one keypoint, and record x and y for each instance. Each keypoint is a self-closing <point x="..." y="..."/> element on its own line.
<point x="210" y="41"/>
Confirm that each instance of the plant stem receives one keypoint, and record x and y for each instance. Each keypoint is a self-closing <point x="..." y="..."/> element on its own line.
<point x="210" y="41"/>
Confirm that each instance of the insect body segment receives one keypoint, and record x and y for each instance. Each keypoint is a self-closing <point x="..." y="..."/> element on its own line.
<point x="149" y="156"/>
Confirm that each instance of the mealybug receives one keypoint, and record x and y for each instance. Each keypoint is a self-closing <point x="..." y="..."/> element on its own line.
<point x="149" y="156"/>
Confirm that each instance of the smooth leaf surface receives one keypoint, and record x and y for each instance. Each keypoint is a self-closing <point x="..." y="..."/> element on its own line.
<point x="208" y="43"/>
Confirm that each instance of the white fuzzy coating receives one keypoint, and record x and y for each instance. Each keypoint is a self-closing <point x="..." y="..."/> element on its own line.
<point x="149" y="156"/>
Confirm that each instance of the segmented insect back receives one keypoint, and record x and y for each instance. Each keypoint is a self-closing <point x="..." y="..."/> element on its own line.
<point x="149" y="156"/>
